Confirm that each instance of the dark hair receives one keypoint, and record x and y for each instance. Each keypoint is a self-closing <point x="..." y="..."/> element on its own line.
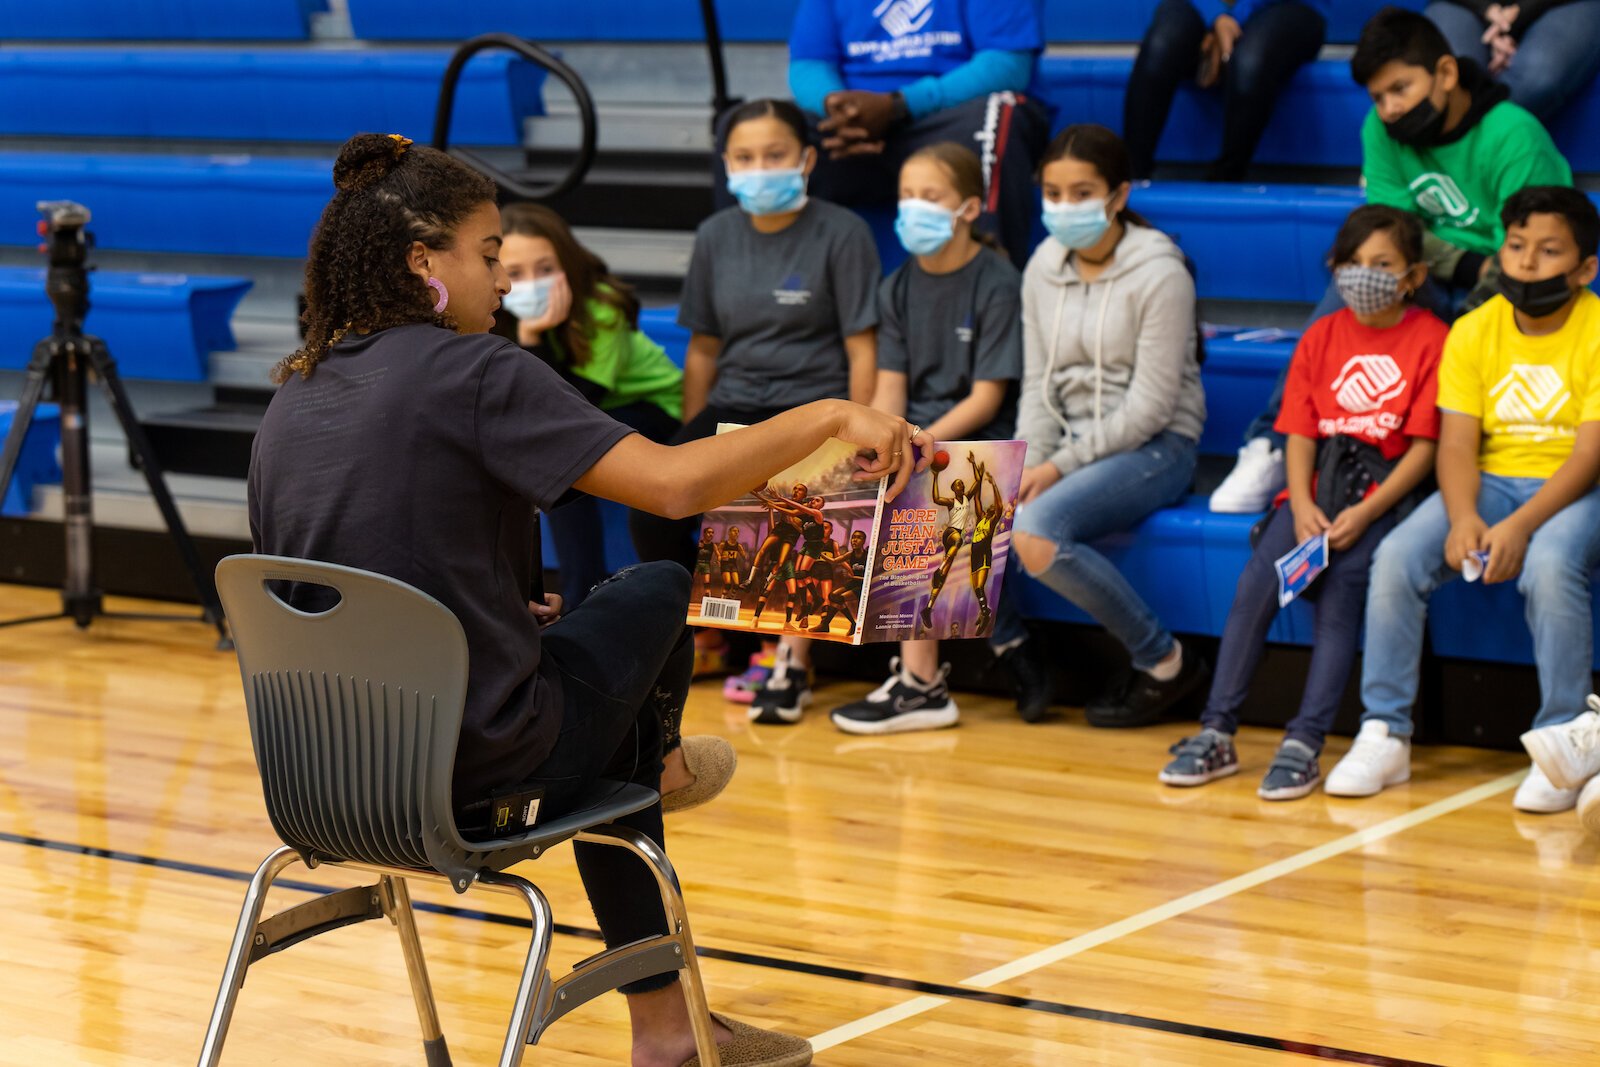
<point x="1101" y="149"/>
<point x="1574" y="207"/>
<point x="1368" y="219"/>
<point x="390" y="193"/>
<point x="587" y="276"/>
<point x="782" y="110"/>
<point x="1395" y="33"/>
<point x="962" y="166"/>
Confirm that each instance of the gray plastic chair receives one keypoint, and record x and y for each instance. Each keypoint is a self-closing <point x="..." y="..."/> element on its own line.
<point x="354" y="715"/>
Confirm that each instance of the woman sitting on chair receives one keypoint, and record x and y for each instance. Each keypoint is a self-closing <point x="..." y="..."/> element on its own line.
<point x="409" y="441"/>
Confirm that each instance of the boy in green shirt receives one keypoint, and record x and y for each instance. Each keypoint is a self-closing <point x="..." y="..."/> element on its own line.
<point x="1443" y="142"/>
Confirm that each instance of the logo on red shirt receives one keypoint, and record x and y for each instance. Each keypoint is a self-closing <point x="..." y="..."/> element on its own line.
<point x="1368" y="382"/>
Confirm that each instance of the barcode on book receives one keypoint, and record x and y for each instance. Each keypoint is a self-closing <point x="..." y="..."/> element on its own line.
<point x="719" y="608"/>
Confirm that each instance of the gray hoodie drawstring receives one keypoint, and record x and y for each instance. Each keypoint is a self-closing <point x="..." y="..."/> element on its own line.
<point x="1099" y="362"/>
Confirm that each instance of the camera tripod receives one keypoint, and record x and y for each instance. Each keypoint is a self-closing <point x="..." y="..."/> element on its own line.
<point x="64" y="360"/>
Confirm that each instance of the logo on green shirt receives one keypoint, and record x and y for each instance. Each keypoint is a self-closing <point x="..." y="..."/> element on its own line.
<point x="1439" y="196"/>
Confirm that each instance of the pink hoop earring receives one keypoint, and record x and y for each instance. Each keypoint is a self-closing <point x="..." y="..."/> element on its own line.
<point x="444" y="294"/>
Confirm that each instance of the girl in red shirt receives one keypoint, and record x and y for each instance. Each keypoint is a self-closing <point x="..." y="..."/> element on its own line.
<point x="1359" y="411"/>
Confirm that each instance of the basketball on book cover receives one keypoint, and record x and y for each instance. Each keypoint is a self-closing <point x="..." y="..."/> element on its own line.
<point x="816" y="553"/>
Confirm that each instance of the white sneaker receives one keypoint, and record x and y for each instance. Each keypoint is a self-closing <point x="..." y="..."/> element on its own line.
<point x="1568" y="753"/>
<point x="1538" y="796"/>
<point x="1375" y="760"/>
<point x="1254" y="481"/>
<point x="1589" y="807"/>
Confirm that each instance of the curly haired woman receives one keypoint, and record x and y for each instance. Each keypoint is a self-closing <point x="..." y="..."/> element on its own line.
<point x="408" y="440"/>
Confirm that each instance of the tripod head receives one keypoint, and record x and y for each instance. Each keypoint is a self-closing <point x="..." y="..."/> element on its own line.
<point x="67" y="245"/>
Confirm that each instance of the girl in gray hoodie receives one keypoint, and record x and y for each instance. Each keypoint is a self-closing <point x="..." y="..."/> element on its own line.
<point x="1111" y="406"/>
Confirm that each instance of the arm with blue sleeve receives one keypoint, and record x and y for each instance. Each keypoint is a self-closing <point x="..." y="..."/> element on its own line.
<point x="1211" y="10"/>
<point x="988" y="71"/>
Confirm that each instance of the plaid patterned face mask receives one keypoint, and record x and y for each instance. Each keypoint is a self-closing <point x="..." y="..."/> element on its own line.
<point x="1366" y="290"/>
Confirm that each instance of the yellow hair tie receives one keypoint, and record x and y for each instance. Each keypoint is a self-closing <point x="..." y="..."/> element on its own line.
<point x="401" y="143"/>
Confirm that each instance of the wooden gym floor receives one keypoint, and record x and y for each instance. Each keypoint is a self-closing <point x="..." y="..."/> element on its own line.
<point x="997" y="894"/>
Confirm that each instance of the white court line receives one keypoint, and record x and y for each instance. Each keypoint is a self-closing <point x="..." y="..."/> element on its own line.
<point x="1173" y="908"/>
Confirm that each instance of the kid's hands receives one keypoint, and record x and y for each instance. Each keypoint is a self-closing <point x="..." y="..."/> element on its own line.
<point x="548" y="612"/>
<point x="1309" y="521"/>
<point x="1502" y="46"/>
<point x="555" y="313"/>
<point x="1348" y="526"/>
<point x="1227" y="31"/>
<point x="1036" y="480"/>
<point x="1507" y="543"/>
<point x="1466" y="536"/>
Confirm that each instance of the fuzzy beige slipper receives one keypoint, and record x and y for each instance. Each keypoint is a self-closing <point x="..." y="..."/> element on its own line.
<point x="751" y="1046"/>
<point x="711" y="760"/>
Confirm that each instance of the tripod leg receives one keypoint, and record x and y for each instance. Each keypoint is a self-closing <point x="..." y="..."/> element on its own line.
<point x="106" y="369"/>
<point x="32" y="390"/>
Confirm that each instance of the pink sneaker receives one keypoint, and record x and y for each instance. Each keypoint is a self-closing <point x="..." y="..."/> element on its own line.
<point x="741" y="688"/>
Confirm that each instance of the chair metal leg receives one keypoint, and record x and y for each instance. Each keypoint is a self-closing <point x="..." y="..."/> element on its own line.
<point x="694" y="990"/>
<point x="397" y="902"/>
<point x="255" y="898"/>
<point x="534" y="971"/>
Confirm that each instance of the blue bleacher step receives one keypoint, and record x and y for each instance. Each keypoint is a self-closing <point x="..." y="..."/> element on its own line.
<point x="178" y="20"/>
<point x="159" y="326"/>
<point x="260" y="94"/>
<point x="36" y="465"/>
<point x="679" y="20"/>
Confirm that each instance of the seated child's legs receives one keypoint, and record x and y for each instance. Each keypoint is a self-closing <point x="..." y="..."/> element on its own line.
<point x="1556" y="579"/>
<point x="1406" y="568"/>
<point x="1339" y="605"/>
<point x="1244" y="635"/>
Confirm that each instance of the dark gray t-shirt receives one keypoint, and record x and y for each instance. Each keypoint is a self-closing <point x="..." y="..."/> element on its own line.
<point x="422" y="454"/>
<point x="781" y="303"/>
<point x="946" y="331"/>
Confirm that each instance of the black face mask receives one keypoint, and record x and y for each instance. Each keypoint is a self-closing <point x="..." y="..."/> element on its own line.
<point x="1420" y="126"/>
<point x="1536" y="299"/>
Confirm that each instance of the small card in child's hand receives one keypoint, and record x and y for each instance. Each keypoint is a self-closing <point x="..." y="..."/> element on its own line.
<point x="1300" y="567"/>
<point x="1474" y="563"/>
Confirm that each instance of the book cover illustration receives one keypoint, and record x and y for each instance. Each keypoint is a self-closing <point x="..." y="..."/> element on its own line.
<point x="816" y="553"/>
<point x="943" y="544"/>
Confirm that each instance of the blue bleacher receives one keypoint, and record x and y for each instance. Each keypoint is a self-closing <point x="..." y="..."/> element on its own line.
<point x="1317" y="122"/>
<point x="178" y="20"/>
<point x="36" y="464"/>
<point x="679" y="20"/>
<point x="257" y="94"/>
<point x="159" y="326"/>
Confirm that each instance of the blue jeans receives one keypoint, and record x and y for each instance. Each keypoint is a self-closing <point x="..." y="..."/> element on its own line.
<point x="1108" y="496"/>
<point x="1557" y="56"/>
<point x="1340" y="597"/>
<point x="1433" y="296"/>
<point x="1410" y="565"/>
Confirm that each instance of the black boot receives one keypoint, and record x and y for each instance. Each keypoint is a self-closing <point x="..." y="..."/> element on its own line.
<point x="1137" y="699"/>
<point x="1030" y="679"/>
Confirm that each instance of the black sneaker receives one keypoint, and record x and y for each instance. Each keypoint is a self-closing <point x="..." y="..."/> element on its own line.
<point x="783" y="697"/>
<point x="1294" y="773"/>
<point x="1137" y="699"/>
<point x="900" y="705"/>
<point x="1030" y="679"/>
<point x="1205" y="757"/>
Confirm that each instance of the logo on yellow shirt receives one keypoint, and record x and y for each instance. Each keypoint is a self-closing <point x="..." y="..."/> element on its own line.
<point x="1529" y="397"/>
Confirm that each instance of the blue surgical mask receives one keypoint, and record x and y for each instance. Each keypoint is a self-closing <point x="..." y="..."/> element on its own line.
<point x="1077" y="225"/>
<point x="769" y="192"/>
<point x="529" y="299"/>
<point x="924" y="227"/>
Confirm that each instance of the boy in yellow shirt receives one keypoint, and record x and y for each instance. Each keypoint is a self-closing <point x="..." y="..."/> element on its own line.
<point x="1518" y="462"/>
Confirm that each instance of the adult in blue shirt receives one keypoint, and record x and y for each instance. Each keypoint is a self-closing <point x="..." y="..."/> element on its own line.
<point x="1250" y="48"/>
<point x="883" y="78"/>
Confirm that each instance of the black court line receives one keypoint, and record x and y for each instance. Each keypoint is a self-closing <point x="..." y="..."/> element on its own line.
<point x="820" y="970"/>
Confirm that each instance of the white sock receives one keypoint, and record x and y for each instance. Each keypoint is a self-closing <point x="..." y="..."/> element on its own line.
<point x="1168" y="669"/>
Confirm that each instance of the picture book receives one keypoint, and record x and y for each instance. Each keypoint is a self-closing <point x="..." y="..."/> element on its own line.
<point x="814" y="552"/>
